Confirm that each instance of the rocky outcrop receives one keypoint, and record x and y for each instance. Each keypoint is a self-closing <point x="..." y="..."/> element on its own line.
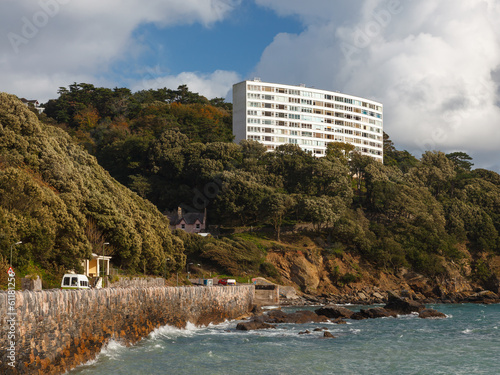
<point x="431" y="313"/>
<point x="253" y="325"/>
<point x="486" y="297"/>
<point x="377" y="312"/>
<point x="298" y="317"/>
<point x="335" y="312"/>
<point x="402" y="305"/>
<point x="306" y="267"/>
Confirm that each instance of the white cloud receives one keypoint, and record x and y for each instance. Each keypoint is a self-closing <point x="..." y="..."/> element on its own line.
<point x="217" y="84"/>
<point x="43" y="42"/>
<point x="431" y="63"/>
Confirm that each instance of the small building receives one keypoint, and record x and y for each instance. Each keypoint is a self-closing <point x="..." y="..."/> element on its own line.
<point x="32" y="104"/>
<point x="94" y="267"/>
<point x="191" y="222"/>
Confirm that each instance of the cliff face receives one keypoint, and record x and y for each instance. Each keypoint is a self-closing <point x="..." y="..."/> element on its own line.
<point x="347" y="278"/>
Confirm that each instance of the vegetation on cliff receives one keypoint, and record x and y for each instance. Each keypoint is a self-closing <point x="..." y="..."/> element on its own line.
<point x="173" y="147"/>
<point x="56" y="198"/>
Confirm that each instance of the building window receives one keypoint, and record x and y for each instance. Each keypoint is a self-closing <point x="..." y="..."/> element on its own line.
<point x="197" y="226"/>
<point x="183" y="226"/>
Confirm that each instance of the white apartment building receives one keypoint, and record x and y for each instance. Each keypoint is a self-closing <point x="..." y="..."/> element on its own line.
<point x="275" y="114"/>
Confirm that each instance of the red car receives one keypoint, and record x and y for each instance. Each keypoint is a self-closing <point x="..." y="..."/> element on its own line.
<point x="227" y="282"/>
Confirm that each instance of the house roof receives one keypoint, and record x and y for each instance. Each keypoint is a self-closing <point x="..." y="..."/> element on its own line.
<point x="189" y="218"/>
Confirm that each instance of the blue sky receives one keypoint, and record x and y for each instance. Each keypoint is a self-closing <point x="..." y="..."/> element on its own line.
<point x="234" y="44"/>
<point x="435" y="65"/>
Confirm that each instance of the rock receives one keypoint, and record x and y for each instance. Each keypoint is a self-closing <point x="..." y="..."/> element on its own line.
<point x="256" y="309"/>
<point x="484" y="296"/>
<point x="339" y="321"/>
<point x="253" y="325"/>
<point x="431" y="313"/>
<point x="334" y="312"/>
<point x="438" y="291"/>
<point x="378" y="296"/>
<point x="288" y="292"/>
<point x="358" y="316"/>
<point x="328" y="335"/>
<point x="276" y="316"/>
<point x="301" y="317"/>
<point x="402" y="306"/>
<point x="306" y="332"/>
<point x="298" y="317"/>
<point x="377" y="312"/>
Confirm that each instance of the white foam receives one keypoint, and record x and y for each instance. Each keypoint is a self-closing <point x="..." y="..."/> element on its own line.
<point x="113" y="349"/>
<point x="171" y="332"/>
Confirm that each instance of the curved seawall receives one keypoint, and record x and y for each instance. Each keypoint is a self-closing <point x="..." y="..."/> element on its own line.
<point x="57" y="330"/>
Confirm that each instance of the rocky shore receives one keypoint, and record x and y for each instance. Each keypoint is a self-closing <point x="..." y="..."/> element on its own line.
<point x="395" y="306"/>
<point x="375" y="296"/>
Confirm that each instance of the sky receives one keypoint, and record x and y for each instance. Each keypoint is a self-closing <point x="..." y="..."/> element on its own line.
<point x="435" y="65"/>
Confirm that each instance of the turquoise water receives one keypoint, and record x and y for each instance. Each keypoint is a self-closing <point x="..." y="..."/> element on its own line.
<point x="467" y="342"/>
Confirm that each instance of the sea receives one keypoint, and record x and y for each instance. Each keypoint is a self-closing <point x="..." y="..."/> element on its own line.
<point x="466" y="342"/>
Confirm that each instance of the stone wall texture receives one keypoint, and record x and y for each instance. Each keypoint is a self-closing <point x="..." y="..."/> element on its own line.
<point x="140" y="282"/>
<point x="60" y="329"/>
<point x="267" y="295"/>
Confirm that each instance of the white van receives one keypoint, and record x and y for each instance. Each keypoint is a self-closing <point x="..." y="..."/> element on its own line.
<point x="74" y="281"/>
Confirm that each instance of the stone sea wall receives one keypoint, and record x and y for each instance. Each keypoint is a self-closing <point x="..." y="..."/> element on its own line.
<point x="140" y="282"/>
<point x="57" y="330"/>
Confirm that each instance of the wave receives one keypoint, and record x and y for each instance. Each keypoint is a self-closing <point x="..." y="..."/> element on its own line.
<point x="171" y="332"/>
<point x="113" y="349"/>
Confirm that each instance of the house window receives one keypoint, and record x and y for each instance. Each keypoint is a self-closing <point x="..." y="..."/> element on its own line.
<point x="197" y="226"/>
<point x="183" y="226"/>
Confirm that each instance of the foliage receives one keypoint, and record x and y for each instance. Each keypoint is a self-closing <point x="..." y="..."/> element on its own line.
<point x="174" y="148"/>
<point x="235" y="255"/>
<point x="62" y="204"/>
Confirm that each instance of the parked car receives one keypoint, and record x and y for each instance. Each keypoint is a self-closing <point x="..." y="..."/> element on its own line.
<point x="227" y="282"/>
<point x="74" y="281"/>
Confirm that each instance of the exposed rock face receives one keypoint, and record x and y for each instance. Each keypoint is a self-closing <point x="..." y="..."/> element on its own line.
<point x="298" y="269"/>
<point x="402" y="305"/>
<point x="304" y="268"/>
<point x="335" y="312"/>
<point x="431" y="313"/>
<point x="328" y="335"/>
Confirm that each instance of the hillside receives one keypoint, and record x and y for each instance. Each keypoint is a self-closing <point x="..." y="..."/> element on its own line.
<point x="364" y="222"/>
<point x="56" y="198"/>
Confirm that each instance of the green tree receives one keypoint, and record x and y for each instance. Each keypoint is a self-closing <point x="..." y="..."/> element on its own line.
<point x="461" y="160"/>
<point x="277" y="205"/>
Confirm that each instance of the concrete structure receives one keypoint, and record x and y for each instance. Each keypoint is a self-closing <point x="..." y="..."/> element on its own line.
<point x="94" y="267"/>
<point x="267" y="295"/>
<point x="56" y="330"/>
<point x="276" y="114"/>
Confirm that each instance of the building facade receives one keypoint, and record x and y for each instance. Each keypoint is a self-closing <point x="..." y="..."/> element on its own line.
<point x="276" y="114"/>
<point x="191" y="222"/>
